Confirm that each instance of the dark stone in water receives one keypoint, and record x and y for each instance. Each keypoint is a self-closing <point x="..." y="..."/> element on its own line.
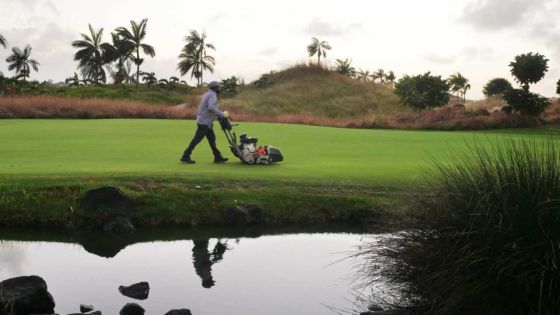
<point x="374" y="308"/>
<point x="183" y="311"/>
<point x="26" y="295"/>
<point x="388" y="312"/>
<point x="132" y="309"/>
<point x="87" y="310"/>
<point x="105" y="197"/>
<point x="119" y="226"/>
<point x="139" y="291"/>
<point x="249" y="214"/>
<point x="84" y="308"/>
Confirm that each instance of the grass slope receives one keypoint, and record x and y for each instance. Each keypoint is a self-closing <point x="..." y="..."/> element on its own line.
<point x="313" y="89"/>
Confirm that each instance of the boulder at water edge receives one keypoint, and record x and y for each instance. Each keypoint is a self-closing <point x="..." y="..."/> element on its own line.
<point x="139" y="291"/>
<point x="27" y="295"/>
<point x="183" y="311"/>
<point x="119" y="226"/>
<point x="240" y="215"/>
<point x="105" y="197"/>
<point x="132" y="309"/>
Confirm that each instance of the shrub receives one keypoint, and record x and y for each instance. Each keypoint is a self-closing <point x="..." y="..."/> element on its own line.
<point x="486" y="238"/>
<point x="497" y="86"/>
<point x="422" y="91"/>
<point x="229" y="86"/>
<point x="525" y="102"/>
<point x="529" y="68"/>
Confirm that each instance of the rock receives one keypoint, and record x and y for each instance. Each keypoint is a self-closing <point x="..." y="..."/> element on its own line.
<point x="389" y="312"/>
<point x="104" y="197"/>
<point x="84" y="308"/>
<point x="182" y="311"/>
<point x="132" y="309"/>
<point x="27" y="295"/>
<point x="91" y="312"/>
<point x="249" y="214"/>
<point x="374" y="308"/>
<point x="119" y="226"/>
<point x="139" y="291"/>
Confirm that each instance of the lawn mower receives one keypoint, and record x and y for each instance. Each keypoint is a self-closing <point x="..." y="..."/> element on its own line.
<point x="247" y="150"/>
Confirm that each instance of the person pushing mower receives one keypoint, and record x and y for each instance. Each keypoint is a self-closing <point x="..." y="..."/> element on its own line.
<point x="207" y="111"/>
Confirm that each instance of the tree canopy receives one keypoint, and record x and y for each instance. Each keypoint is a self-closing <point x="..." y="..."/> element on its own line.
<point x="422" y="91"/>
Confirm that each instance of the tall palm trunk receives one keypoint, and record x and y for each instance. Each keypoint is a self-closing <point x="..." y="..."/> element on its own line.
<point x="137" y="68"/>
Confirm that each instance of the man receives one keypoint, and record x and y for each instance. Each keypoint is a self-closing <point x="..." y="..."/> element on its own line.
<point x="207" y="111"/>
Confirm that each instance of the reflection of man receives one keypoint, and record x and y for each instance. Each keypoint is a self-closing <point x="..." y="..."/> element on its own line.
<point x="203" y="260"/>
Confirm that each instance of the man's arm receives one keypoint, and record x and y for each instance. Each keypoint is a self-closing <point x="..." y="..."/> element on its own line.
<point x="213" y="106"/>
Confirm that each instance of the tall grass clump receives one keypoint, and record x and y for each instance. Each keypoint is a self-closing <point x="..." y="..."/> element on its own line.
<point x="486" y="239"/>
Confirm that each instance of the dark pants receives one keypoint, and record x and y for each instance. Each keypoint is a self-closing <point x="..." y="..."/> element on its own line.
<point x="201" y="132"/>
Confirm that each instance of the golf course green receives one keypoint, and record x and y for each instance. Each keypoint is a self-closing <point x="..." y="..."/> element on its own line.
<point x="46" y="165"/>
<point x="128" y="147"/>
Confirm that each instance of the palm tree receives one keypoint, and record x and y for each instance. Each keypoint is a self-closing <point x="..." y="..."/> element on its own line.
<point x="136" y="36"/>
<point x="459" y="85"/>
<point x="390" y="77"/>
<point x="121" y="51"/>
<point x="128" y="76"/>
<point x="345" y="67"/>
<point x="194" y="57"/>
<point x="318" y="48"/>
<point x="379" y="74"/>
<point x="363" y="75"/>
<point x="149" y="78"/>
<point x="173" y="79"/>
<point x="20" y="61"/>
<point x="3" y="41"/>
<point x="92" y="55"/>
<point x="73" y="80"/>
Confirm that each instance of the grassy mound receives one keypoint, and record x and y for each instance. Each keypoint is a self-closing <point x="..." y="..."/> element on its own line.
<point x="316" y="90"/>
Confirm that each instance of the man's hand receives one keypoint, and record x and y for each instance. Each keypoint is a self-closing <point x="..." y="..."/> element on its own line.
<point x="226" y="114"/>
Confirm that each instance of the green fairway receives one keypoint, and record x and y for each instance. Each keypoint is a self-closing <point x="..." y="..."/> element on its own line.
<point x="107" y="148"/>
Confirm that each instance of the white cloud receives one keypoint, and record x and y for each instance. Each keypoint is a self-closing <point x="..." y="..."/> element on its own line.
<point x="499" y="14"/>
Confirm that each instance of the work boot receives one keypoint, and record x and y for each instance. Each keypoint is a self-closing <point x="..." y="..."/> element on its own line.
<point x="220" y="159"/>
<point x="187" y="160"/>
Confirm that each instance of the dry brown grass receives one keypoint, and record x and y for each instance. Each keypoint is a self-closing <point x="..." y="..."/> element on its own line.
<point x="491" y="104"/>
<point x="456" y="118"/>
<point x="62" y="107"/>
<point x="447" y="118"/>
<point x="552" y="114"/>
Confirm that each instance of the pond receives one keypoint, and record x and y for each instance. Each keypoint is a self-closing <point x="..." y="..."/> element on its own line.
<point x="206" y="271"/>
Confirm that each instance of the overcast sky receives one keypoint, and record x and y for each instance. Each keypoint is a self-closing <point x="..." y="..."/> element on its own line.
<point x="475" y="37"/>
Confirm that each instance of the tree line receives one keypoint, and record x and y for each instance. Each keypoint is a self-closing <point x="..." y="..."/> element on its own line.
<point x="97" y="60"/>
<point x="426" y="90"/>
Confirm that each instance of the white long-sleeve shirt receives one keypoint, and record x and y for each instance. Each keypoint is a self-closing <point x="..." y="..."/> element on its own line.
<point x="208" y="109"/>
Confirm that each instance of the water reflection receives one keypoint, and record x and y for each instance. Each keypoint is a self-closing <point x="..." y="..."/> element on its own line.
<point x="203" y="260"/>
<point x="11" y="257"/>
<point x="275" y="274"/>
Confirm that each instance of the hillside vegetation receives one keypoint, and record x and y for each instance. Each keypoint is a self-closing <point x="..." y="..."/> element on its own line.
<point x="316" y="90"/>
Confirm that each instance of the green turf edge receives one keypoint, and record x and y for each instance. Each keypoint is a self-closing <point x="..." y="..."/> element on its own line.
<point x="167" y="201"/>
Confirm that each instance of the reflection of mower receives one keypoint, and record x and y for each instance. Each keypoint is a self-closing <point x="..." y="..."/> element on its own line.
<point x="247" y="150"/>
